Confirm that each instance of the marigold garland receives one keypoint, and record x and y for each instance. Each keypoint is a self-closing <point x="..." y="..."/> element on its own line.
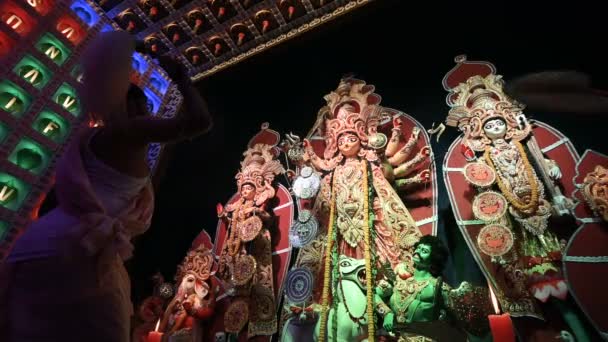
<point x="331" y="240"/>
<point x="368" y="262"/>
<point x="374" y="236"/>
<point x="335" y="276"/>
<point x="327" y="270"/>
<point x="513" y="200"/>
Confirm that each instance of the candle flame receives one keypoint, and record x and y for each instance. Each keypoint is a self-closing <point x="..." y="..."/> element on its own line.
<point x="494" y="300"/>
<point x="157" y="325"/>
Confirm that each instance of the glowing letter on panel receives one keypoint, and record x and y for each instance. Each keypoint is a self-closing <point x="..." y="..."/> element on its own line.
<point x="6" y="193"/>
<point x="68" y="102"/>
<point x="52" y="52"/>
<point x="68" y="32"/>
<point x="14" y="21"/>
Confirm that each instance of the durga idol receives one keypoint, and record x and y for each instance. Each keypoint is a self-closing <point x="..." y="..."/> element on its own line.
<point x="365" y="226"/>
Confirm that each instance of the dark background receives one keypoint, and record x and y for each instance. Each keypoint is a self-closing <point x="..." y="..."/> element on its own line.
<point x="404" y="50"/>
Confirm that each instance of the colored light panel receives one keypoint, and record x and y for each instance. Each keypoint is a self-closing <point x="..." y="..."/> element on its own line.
<point x="154" y="45"/>
<point x="139" y="63"/>
<point x="153" y="101"/>
<point x="53" y="49"/>
<point x="66" y="97"/>
<point x="153" y="9"/>
<point x="107" y="28"/>
<point x="41" y="6"/>
<point x="4" y="130"/>
<point x="77" y="73"/>
<point x="6" y="44"/>
<point x="52" y="126"/>
<point x="3" y="230"/>
<point x="13" y="99"/>
<point x="30" y="156"/>
<point x="33" y="72"/>
<point x="16" y="18"/>
<point x="158" y="82"/>
<point x="129" y="21"/>
<point x="12" y="191"/>
<point x="85" y="12"/>
<point x="70" y="29"/>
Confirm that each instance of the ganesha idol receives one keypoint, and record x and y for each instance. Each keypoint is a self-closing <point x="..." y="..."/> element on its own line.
<point x="509" y="182"/>
<point x="353" y="226"/>
<point x="194" y="301"/>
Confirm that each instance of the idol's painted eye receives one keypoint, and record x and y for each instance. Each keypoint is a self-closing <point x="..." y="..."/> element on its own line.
<point x="344" y="263"/>
<point x="353" y="139"/>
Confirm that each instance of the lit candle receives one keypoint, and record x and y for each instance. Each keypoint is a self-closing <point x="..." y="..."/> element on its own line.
<point x="501" y="325"/>
<point x="155" y="336"/>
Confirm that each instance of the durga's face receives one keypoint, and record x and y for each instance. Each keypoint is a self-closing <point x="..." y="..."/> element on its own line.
<point x="349" y="145"/>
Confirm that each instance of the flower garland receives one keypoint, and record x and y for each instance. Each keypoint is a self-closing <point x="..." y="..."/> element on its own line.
<point x="513" y="200"/>
<point x="371" y="329"/>
<point x="331" y="253"/>
<point x="335" y="278"/>
<point x="371" y="217"/>
<point x="328" y="257"/>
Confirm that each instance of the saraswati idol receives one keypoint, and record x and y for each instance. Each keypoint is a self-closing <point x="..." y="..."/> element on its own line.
<point x="364" y="226"/>
<point x="504" y="183"/>
<point x="244" y="243"/>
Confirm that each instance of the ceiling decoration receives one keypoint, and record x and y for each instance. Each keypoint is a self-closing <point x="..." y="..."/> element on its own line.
<point x="210" y="35"/>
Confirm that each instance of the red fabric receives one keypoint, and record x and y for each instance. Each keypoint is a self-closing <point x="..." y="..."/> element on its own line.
<point x="189" y="322"/>
<point x="204" y="313"/>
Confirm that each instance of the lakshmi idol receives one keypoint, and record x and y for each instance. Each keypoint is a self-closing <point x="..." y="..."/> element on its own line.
<point x="514" y="205"/>
<point x="364" y="225"/>
<point x="245" y="264"/>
